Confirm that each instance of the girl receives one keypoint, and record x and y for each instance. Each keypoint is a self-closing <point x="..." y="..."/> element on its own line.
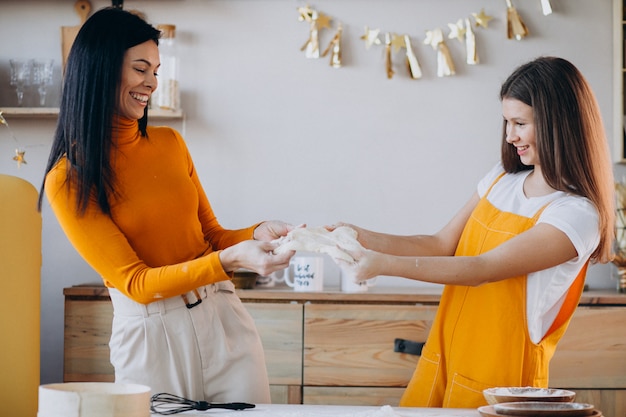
<point x="514" y="258"/>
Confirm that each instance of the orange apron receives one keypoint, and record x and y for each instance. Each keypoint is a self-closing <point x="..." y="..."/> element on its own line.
<point x="479" y="337"/>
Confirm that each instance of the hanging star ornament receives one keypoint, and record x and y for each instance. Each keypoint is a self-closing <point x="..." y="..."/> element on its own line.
<point x="305" y="13"/>
<point x="445" y="65"/>
<point x="371" y="37"/>
<point x="19" y="157"/>
<point x="482" y="19"/>
<point x="19" y="154"/>
<point x="397" y="42"/>
<point x="457" y="30"/>
<point x="323" y="21"/>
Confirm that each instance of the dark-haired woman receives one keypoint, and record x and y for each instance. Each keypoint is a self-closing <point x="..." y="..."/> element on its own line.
<point x="514" y="258"/>
<point x="129" y="199"/>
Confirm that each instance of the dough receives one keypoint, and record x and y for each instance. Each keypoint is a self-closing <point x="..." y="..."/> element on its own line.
<point x="318" y="239"/>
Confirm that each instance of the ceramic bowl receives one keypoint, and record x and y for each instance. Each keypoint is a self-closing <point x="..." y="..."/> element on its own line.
<point x="520" y="394"/>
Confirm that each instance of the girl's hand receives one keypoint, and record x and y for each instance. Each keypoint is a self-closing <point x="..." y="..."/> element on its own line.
<point x="367" y="263"/>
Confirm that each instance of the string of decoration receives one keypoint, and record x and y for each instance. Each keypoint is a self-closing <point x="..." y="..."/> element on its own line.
<point x="463" y="31"/>
<point x="19" y="152"/>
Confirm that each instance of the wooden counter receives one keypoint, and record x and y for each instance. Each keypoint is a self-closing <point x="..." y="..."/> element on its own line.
<point x="338" y="348"/>
<point x="376" y="295"/>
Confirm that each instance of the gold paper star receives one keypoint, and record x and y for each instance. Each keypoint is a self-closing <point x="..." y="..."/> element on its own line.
<point x="397" y="42"/>
<point x="3" y="120"/>
<point x="323" y="21"/>
<point x="457" y="30"/>
<point x="482" y="19"/>
<point x="371" y="37"/>
<point x="19" y="157"/>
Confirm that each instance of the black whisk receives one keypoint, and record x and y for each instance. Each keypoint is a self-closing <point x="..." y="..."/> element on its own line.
<point x="168" y="404"/>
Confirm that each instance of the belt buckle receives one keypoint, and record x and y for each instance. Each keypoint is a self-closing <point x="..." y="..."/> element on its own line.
<point x="192" y="305"/>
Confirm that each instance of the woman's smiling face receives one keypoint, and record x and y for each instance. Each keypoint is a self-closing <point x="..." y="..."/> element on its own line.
<point x="138" y="82"/>
<point x="520" y="130"/>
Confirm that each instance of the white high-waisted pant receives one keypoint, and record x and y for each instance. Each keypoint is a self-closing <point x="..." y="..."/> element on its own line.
<point x="211" y="352"/>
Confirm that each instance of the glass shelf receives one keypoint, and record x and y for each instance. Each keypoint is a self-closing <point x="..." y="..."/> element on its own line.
<point x="34" y="112"/>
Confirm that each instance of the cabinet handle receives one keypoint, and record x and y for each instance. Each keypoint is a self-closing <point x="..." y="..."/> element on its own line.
<point x="408" y="346"/>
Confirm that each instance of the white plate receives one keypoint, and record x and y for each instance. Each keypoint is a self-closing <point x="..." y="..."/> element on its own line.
<point x="519" y="394"/>
<point x="540" y="408"/>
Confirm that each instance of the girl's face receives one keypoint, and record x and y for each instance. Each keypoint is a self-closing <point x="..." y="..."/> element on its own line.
<point x="520" y="130"/>
<point x="139" y="72"/>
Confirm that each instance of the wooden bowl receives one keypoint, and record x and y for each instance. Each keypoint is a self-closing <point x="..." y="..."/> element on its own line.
<point x="522" y="394"/>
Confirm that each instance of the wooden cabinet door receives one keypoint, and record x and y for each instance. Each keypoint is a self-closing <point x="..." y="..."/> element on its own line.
<point x="280" y="328"/>
<point x="86" y="341"/>
<point x="592" y="353"/>
<point x="353" y="345"/>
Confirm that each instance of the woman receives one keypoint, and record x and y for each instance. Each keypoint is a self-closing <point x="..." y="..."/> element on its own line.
<point x="514" y="258"/>
<point x="129" y="199"/>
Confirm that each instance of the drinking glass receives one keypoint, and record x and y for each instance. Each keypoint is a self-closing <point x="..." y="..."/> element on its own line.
<point x="42" y="77"/>
<point x="20" y="77"/>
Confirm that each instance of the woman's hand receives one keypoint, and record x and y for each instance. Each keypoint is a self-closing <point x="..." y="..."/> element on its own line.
<point x="270" y="230"/>
<point x="361" y="234"/>
<point x="255" y="256"/>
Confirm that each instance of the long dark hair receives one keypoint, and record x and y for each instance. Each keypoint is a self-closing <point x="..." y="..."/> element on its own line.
<point x="89" y="99"/>
<point x="571" y="141"/>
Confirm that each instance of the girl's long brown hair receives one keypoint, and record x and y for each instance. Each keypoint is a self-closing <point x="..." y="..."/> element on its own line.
<point x="573" y="149"/>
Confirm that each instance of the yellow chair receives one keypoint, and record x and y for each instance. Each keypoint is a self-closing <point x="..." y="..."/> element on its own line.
<point x="20" y="286"/>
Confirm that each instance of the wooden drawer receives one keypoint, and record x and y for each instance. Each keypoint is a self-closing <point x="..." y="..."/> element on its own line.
<point x="352" y="395"/>
<point x="353" y="345"/>
<point x="592" y="353"/>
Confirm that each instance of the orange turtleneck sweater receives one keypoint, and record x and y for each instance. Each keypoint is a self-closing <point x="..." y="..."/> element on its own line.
<point x="161" y="239"/>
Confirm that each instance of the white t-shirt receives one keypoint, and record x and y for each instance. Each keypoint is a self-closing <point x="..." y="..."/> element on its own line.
<point x="575" y="216"/>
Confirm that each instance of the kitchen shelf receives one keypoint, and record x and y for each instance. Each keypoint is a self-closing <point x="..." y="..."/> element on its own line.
<point x="32" y="112"/>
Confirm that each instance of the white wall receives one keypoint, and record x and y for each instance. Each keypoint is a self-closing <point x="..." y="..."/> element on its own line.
<point x="276" y="135"/>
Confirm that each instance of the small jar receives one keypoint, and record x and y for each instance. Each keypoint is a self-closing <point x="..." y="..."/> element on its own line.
<point x="167" y="94"/>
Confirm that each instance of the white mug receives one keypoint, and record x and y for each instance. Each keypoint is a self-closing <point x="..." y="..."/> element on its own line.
<point x="350" y="284"/>
<point x="272" y="279"/>
<point x="305" y="273"/>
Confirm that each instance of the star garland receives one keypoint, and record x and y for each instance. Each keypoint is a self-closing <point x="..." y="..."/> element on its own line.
<point x="462" y="30"/>
<point x="19" y="152"/>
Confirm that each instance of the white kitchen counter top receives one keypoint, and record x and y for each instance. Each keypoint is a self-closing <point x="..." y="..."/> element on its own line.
<point x="300" y="410"/>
